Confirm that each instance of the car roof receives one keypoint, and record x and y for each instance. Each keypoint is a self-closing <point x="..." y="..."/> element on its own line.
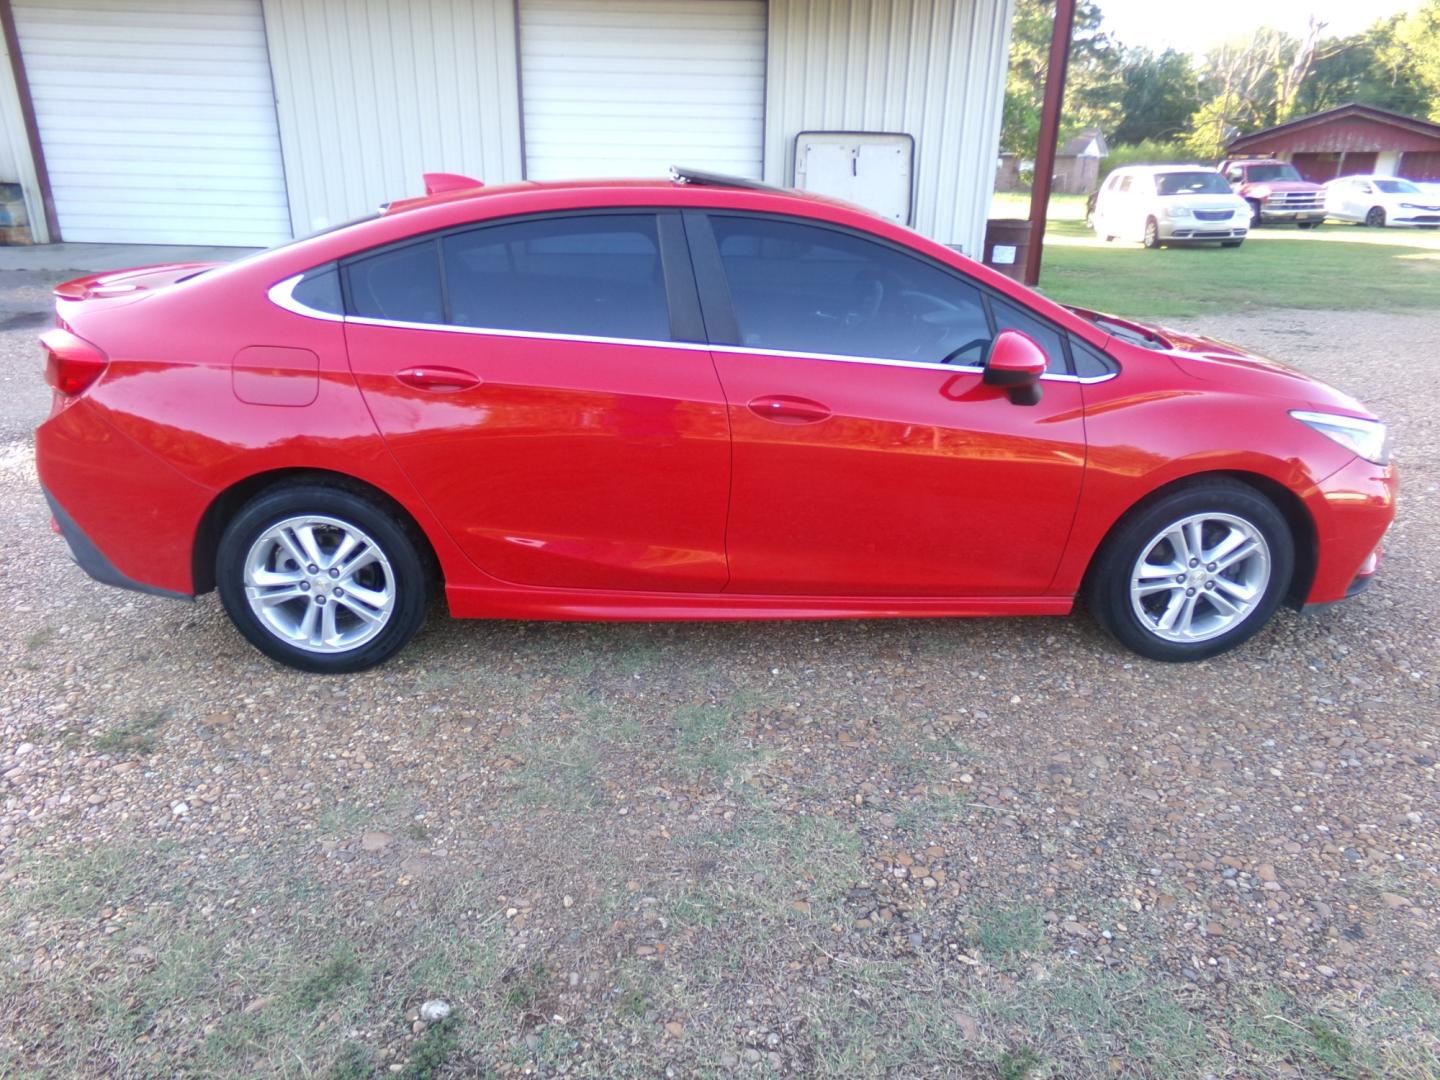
<point x="679" y="178"/>
<point x="1157" y="169"/>
<point x="1372" y="176"/>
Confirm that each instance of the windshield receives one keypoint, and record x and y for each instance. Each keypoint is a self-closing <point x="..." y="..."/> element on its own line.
<point x="1191" y="183"/>
<point x="1281" y="170"/>
<point x="1397" y="187"/>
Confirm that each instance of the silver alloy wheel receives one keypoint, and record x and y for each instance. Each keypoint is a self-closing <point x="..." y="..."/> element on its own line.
<point x="1200" y="577"/>
<point x="319" y="583"/>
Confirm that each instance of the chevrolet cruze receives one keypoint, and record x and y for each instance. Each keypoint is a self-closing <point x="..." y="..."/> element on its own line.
<point x="694" y="399"/>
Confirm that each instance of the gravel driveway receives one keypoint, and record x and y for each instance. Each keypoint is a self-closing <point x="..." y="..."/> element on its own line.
<point x="979" y="848"/>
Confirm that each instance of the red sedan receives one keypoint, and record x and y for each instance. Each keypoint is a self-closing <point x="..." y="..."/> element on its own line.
<point x="696" y="399"/>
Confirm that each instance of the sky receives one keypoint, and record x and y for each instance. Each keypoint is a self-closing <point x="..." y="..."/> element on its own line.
<point x="1159" y="25"/>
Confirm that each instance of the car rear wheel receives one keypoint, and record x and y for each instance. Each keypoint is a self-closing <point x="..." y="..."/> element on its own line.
<point x="1375" y="217"/>
<point x="1152" y="233"/>
<point x="321" y="579"/>
<point x="1194" y="573"/>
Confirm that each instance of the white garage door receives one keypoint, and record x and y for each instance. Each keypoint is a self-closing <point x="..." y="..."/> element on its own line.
<point x="631" y="87"/>
<point x="157" y="119"/>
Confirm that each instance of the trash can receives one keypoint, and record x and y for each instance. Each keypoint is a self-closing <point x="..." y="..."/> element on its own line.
<point x="1007" y="244"/>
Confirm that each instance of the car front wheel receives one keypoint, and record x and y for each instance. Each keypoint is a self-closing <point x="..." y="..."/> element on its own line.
<point x="321" y="579"/>
<point x="1195" y="573"/>
<point x="1152" y="233"/>
<point x="1375" y="218"/>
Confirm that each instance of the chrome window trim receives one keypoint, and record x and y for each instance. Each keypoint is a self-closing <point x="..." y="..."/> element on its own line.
<point x="281" y="295"/>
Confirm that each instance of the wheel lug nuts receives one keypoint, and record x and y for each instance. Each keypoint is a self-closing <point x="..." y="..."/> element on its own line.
<point x="1211" y="568"/>
<point x="1209" y="585"/>
<point x="304" y="586"/>
<point x="339" y="592"/>
<point x="336" y="573"/>
<point x="1188" y="592"/>
<point x="313" y="569"/>
<point x="1194" y="562"/>
<point x="1180" y="578"/>
<point x="320" y="600"/>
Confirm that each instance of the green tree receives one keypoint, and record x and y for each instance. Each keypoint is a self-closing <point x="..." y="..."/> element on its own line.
<point x="1092" y="79"/>
<point x="1159" y="93"/>
<point x="1413" y="51"/>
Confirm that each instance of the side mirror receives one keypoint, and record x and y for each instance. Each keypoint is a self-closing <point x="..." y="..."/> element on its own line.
<point x="1016" y="364"/>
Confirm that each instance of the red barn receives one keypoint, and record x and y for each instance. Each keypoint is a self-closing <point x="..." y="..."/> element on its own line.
<point x="1348" y="140"/>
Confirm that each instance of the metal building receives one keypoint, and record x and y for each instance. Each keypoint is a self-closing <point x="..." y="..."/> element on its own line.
<point x="248" y="121"/>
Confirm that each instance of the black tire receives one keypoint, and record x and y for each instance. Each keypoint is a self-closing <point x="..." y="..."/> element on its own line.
<point x="1231" y="243"/>
<point x="1152" y="233"/>
<point x="1375" y="217"/>
<point x="401" y="569"/>
<point x="1309" y="224"/>
<point x="1108" y="591"/>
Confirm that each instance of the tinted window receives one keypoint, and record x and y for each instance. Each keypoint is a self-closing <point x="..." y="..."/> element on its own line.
<point x="1397" y="187"/>
<point x="320" y="290"/>
<point x="402" y="284"/>
<point x="803" y="288"/>
<point x="1191" y="183"/>
<point x="1090" y="361"/>
<point x="1010" y="317"/>
<point x="598" y="275"/>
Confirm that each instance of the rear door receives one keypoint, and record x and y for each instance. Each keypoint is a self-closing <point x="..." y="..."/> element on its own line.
<point x="534" y="380"/>
<point x="869" y="457"/>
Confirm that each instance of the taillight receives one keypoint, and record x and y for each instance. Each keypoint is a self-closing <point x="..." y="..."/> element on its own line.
<point x="72" y="364"/>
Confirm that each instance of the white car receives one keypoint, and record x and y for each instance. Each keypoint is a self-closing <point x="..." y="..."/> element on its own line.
<point x="1381" y="200"/>
<point x="1170" y="204"/>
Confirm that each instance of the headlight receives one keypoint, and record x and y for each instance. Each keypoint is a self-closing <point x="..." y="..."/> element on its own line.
<point x="1177" y="211"/>
<point x="1370" y="439"/>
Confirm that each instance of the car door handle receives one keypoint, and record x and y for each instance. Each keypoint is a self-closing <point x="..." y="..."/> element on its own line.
<point x="435" y="377"/>
<point x="784" y="409"/>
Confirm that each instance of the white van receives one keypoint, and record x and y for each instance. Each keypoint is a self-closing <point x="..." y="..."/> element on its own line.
<point x="1170" y="204"/>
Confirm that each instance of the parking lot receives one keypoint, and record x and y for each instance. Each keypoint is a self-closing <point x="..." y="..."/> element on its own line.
<point x="993" y="848"/>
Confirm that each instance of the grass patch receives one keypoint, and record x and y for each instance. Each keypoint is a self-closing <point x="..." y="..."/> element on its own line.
<point x="1337" y="267"/>
<point x="186" y="984"/>
<point x="927" y="815"/>
<point x="706" y="739"/>
<point x="776" y="866"/>
<point x="329" y="981"/>
<point x="38" y="639"/>
<point x="136" y="736"/>
<point x="433" y="1051"/>
<point x="1006" y="934"/>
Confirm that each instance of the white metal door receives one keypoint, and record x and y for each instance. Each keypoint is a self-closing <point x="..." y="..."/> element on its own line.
<point x="631" y="87"/>
<point x="157" y="118"/>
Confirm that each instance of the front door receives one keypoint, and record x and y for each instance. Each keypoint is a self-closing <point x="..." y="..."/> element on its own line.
<point x="528" y="379"/>
<point x="869" y="457"/>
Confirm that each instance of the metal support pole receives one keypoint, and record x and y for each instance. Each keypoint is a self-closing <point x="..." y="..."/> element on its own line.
<point x="1049" y="134"/>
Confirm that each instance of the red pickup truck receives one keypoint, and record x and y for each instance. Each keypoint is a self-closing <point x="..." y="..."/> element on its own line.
<point x="1275" y="191"/>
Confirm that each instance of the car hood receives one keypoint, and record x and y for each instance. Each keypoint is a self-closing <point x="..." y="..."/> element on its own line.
<point x="1413" y="198"/>
<point x="1205" y="201"/>
<point x="1283" y="185"/>
<point x="1228" y="367"/>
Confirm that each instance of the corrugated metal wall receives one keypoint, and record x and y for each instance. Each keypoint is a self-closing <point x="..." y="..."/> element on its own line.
<point x="932" y="68"/>
<point x="372" y="93"/>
